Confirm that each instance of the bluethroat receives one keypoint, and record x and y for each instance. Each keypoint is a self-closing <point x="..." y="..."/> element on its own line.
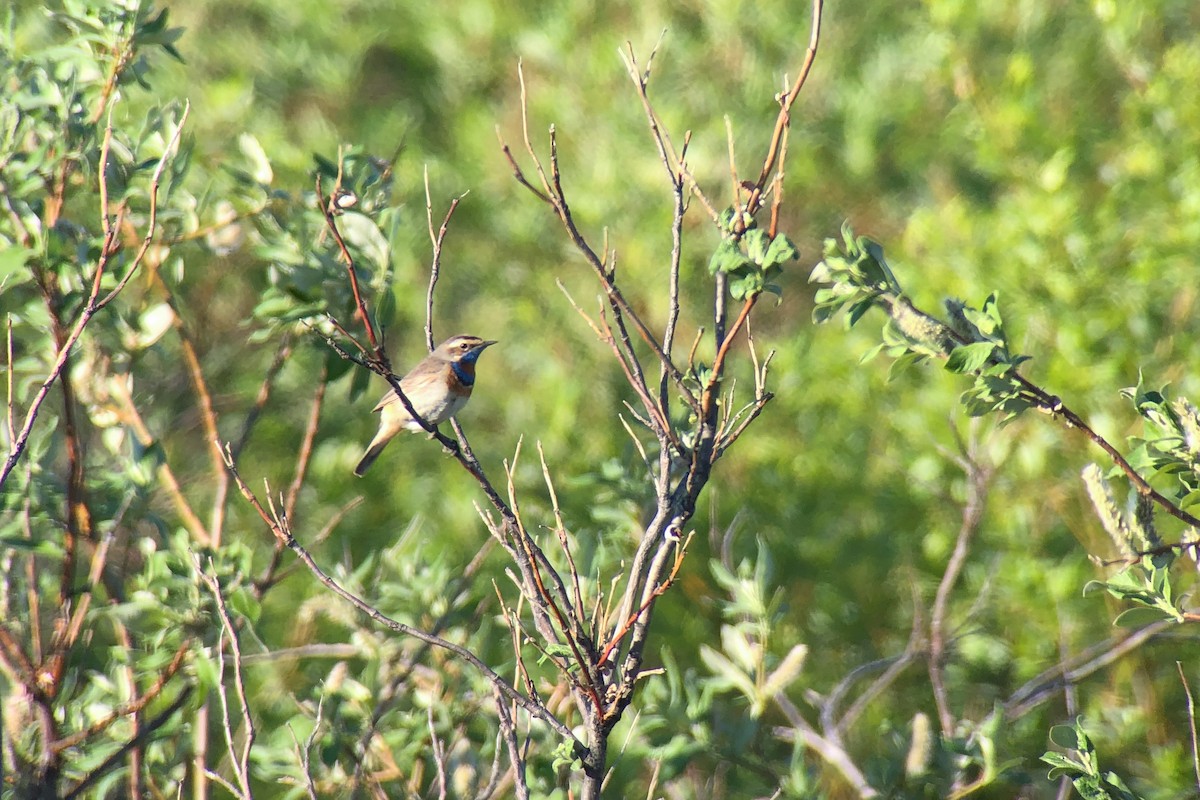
<point x="437" y="388"/>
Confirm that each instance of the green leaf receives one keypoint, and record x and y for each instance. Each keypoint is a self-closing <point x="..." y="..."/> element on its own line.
<point x="244" y="603"/>
<point x="385" y="309"/>
<point x="1140" y="616"/>
<point x="726" y="258"/>
<point x="208" y="674"/>
<point x="781" y="251"/>
<point x="1068" y="737"/>
<point x="787" y="671"/>
<point x="821" y="273"/>
<point x="1061" y="765"/>
<point x="256" y="159"/>
<point x="756" y="243"/>
<point x="727" y="673"/>
<point x="12" y="261"/>
<point x="903" y="363"/>
<point x="857" y="310"/>
<point x="969" y="357"/>
<point x="746" y="286"/>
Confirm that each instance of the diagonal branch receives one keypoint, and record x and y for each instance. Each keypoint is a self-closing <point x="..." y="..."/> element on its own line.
<point x="130" y="708"/>
<point x="280" y="528"/>
<point x="141" y="737"/>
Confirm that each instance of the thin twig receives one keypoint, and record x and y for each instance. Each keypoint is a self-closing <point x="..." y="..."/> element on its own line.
<point x="208" y="417"/>
<point x="1051" y="404"/>
<point x="140" y="738"/>
<point x="121" y="388"/>
<point x="552" y="193"/>
<point x="437" y="751"/>
<point x="435" y="265"/>
<point x="656" y="592"/>
<point x="835" y="726"/>
<point x="561" y="530"/>
<point x="785" y="110"/>
<point x="130" y="708"/>
<point x="978" y="478"/>
<point x="329" y="209"/>
<point x="831" y="752"/>
<point x="568" y="623"/>
<point x="282" y="353"/>
<point x="241" y="761"/>
<point x="304" y="454"/>
<point x="1191" y="706"/>
<point x="280" y="528"/>
<point x="1046" y="685"/>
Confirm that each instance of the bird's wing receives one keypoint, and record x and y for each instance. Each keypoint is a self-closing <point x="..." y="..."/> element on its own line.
<point x="390" y="397"/>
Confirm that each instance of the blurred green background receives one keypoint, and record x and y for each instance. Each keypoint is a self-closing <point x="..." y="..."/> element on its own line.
<point x="1047" y="150"/>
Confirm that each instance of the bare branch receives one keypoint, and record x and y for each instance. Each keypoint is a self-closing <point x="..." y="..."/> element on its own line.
<point x="229" y="632"/>
<point x="979" y="477"/>
<point x="329" y="208"/>
<point x="1191" y="706"/>
<point x="280" y="528"/>
<point x="435" y="265"/>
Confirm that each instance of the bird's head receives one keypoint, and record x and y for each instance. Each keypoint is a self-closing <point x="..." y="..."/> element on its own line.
<point x="462" y="348"/>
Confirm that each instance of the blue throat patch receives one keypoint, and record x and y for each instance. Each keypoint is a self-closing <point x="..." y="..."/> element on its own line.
<point x="466" y="377"/>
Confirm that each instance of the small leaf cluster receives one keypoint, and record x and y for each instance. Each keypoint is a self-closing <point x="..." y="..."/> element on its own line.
<point x="1145" y="581"/>
<point x="163" y="606"/>
<point x="52" y="125"/>
<point x="1082" y="765"/>
<point x="1171" y="444"/>
<point x="1146" y="584"/>
<point x="1169" y="447"/>
<point x="854" y="276"/>
<point x="982" y="349"/>
<point x="123" y="32"/>
<point x="750" y="256"/>
<point x="384" y="692"/>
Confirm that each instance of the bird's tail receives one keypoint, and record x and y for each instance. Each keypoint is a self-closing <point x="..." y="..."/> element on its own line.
<point x="369" y="457"/>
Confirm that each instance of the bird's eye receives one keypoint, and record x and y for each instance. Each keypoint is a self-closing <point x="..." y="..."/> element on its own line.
<point x="465" y="345"/>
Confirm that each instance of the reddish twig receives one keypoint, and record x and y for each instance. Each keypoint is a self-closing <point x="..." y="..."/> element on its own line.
<point x="142" y="735"/>
<point x="127" y="709"/>
<point x="552" y="194"/>
<point x="328" y="210"/>
<point x="657" y="592"/>
<point x="785" y="110"/>
<point x="569" y="631"/>
<point x="130" y="416"/>
<point x="719" y="362"/>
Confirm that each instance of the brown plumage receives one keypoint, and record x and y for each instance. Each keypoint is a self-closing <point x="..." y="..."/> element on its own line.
<point x="438" y="387"/>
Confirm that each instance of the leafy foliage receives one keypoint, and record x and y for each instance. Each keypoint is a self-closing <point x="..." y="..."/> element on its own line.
<point x="1043" y="155"/>
<point x="1082" y="765"/>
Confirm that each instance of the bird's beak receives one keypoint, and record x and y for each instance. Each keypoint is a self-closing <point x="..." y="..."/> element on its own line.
<point x="487" y="344"/>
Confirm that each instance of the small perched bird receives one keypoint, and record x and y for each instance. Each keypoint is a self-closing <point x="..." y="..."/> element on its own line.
<point x="437" y="388"/>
